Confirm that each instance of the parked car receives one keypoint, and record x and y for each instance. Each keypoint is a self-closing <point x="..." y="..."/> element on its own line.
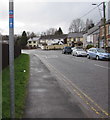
<point x="98" y="53"/>
<point x="79" y="52"/>
<point x="67" y="50"/>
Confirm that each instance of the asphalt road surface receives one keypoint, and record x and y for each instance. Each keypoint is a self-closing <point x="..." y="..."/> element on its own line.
<point x="85" y="78"/>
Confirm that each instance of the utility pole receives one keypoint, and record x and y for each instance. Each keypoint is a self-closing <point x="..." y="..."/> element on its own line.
<point x="104" y="17"/>
<point x="11" y="58"/>
<point x="104" y="23"/>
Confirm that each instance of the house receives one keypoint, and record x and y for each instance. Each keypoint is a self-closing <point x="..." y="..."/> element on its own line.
<point x="91" y="37"/>
<point x="107" y="42"/>
<point x="53" y="39"/>
<point x="33" y="42"/>
<point x="75" y="39"/>
<point x="109" y="10"/>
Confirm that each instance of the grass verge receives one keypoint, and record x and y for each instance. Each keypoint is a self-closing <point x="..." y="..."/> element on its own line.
<point x="21" y="81"/>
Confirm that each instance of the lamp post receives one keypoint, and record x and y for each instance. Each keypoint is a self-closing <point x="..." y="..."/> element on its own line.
<point x="104" y="23"/>
<point x="11" y="58"/>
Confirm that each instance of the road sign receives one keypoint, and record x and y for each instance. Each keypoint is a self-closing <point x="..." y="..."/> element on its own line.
<point x="11" y="21"/>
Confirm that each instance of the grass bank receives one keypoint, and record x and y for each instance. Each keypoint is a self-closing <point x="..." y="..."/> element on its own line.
<point x="21" y="81"/>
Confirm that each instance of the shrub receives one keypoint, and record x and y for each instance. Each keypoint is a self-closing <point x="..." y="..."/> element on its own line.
<point x="89" y="46"/>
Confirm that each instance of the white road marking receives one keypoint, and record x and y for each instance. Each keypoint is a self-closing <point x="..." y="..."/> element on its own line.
<point x="82" y="61"/>
<point x="101" y="66"/>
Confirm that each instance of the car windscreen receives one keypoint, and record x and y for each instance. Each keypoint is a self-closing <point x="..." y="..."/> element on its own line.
<point x="79" y="49"/>
<point x="67" y="47"/>
<point x="101" y="50"/>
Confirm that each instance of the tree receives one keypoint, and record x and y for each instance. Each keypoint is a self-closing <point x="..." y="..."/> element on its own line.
<point x="23" y="39"/>
<point x="31" y="35"/>
<point x="77" y="25"/>
<point x="18" y="41"/>
<point x="59" y="32"/>
<point x="89" y="24"/>
<point x="51" y="31"/>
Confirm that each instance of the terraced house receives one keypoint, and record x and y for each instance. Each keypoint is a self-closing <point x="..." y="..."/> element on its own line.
<point x="75" y="39"/>
<point x="107" y="42"/>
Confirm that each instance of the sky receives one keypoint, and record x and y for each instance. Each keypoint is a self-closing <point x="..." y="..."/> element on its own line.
<point x="39" y="15"/>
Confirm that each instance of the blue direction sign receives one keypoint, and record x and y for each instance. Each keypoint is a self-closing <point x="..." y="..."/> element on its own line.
<point x="11" y="21"/>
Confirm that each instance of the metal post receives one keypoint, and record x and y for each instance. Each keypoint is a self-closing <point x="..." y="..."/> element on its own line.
<point x="0" y="76"/>
<point x="105" y="42"/>
<point x="11" y="58"/>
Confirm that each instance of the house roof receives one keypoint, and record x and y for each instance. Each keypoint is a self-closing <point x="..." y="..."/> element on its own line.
<point x="75" y="34"/>
<point x="93" y="29"/>
<point x="49" y="37"/>
<point x="34" y="39"/>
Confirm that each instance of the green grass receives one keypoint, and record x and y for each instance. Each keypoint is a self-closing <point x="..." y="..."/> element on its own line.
<point x="21" y="82"/>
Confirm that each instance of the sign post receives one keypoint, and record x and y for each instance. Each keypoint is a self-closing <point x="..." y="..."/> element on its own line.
<point x="11" y="58"/>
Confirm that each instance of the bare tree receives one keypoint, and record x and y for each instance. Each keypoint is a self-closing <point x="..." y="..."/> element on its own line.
<point x="89" y="24"/>
<point x="51" y="31"/>
<point x="77" y="25"/>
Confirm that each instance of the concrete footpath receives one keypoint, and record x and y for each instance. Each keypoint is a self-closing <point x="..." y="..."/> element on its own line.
<point x="46" y="99"/>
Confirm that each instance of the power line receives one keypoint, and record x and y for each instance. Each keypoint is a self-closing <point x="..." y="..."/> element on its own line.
<point x="90" y="11"/>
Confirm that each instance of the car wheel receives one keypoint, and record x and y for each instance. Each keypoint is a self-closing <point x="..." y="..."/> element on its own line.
<point x="97" y="57"/>
<point x="88" y="56"/>
<point x="72" y="54"/>
<point x="76" y="55"/>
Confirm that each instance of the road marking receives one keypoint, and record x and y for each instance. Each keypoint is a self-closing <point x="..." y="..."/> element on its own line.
<point x="49" y="56"/>
<point x="79" y="93"/>
<point x="83" y="94"/>
<point x="101" y="66"/>
<point x="82" y="61"/>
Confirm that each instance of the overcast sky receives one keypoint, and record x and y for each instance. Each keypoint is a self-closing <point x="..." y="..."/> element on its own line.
<point x="38" y="16"/>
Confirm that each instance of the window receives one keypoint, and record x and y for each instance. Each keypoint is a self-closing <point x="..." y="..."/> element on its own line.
<point x="109" y="29"/>
<point x="29" y="41"/>
<point x="102" y="31"/>
<point x="34" y="41"/>
<point x="78" y="39"/>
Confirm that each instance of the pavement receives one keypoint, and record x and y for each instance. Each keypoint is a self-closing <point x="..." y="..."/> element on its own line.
<point x="46" y="99"/>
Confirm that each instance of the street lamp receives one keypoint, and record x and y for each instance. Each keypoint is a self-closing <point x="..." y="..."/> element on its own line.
<point x="104" y="22"/>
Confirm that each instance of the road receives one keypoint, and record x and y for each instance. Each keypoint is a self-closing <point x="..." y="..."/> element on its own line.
<point x="86" y="79"/>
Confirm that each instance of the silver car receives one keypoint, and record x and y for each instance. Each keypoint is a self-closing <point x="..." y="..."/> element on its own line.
<point x="79" y="52"/>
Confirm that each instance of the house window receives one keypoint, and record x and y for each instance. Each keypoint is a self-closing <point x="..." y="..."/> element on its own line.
<point x="30" y="45"/>
<point x="109" y="29"/>
<point x="78" y="39"/>
<point x="34" y="41"/>
<point x="29" y="41"/>
<point x="102" y="31"/>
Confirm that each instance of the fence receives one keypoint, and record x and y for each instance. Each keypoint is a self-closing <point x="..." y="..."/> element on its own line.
<point x="5" y="54"/>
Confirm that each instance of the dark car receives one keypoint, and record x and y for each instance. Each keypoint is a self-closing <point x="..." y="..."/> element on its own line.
<point x="66" y="50"/>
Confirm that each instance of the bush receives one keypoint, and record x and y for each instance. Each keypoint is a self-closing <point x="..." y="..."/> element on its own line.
<point x="89" y="46"/>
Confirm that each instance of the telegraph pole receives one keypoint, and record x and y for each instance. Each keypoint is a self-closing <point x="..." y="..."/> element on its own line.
<point x="104" y="23"/>
<point x="11" y="58"/>
<point x="105" y="42"/>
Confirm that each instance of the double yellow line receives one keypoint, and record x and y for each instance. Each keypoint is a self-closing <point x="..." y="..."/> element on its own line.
<point x="87" y="100"/>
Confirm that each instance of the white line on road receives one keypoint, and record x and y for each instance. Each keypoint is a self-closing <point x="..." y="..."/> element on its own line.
<point x="101" y="66"/>
<point x="82" y="61"/>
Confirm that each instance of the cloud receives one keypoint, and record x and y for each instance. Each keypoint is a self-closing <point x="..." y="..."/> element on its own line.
<point x="38" y="16"/>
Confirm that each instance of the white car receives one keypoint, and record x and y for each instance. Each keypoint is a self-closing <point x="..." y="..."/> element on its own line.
<point x="79" y="52"/>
